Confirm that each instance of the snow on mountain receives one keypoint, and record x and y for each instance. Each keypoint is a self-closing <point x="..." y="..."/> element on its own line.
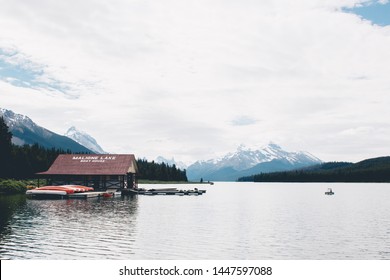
<point x="171" y="162"/>
<point x="18" y="124"/>
<point x="84" y="139"/>
<point x="245" y="160"/>
<point x="26" y="132"/>
<point x="22" y="126"/>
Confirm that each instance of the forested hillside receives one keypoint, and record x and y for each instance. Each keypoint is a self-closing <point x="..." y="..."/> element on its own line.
<point x="370" y="170"/>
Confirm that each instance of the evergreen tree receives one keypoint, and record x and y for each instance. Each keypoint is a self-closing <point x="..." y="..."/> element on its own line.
<point x="5" y="149"/>
<point x="371" y="170"/>
<point x="160" y="171"/>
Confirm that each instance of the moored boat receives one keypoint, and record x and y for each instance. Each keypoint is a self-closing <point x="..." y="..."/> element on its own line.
<point x="46" y="192"/>
<point x="62" y="191"/>
<point x="54" y="188"/>
<point x="78" y="188"/>
<point x="329" y="192"/>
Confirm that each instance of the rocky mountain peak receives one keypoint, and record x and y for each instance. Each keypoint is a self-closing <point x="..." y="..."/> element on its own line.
<point x="245" y="159"/>
<point x="84" y="139"/>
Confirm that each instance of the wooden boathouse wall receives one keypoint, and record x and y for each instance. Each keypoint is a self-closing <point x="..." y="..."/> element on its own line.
<point x="101" y="172"/>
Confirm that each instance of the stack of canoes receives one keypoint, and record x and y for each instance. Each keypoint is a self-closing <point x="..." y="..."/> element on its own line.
<point x="62" y="190"/>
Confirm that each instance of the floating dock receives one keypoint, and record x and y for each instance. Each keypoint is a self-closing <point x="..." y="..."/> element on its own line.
<point x="54" y="193"/>
<point x="84" y="195"/>
<point x="166" y="191"/>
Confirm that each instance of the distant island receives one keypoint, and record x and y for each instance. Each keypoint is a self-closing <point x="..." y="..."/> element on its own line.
<point x="369" y="170"/>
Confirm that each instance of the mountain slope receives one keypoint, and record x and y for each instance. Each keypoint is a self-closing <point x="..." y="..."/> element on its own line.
<point x="26" y="132"/>
<point x="84" y="139"/>
<point x="246" y="161"/>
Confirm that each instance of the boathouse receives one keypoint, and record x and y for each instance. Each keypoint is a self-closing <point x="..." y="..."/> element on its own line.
<point x="102" y="172"/>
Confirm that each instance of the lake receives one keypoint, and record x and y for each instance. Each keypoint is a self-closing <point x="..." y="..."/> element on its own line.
<point x="282" y="221"/>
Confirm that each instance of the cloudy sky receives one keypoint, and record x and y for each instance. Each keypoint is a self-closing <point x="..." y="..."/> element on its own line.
<point x="194" y="79"/>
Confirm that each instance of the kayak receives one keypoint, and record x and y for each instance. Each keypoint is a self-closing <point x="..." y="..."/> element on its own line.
<point x="68" y="188"/>
<point x="80" y="188"/>
<point x="46" y="192"/>
<point x="55" y="188"/>
<point x="57" y="191"/>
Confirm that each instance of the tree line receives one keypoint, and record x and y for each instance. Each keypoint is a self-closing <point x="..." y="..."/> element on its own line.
<point x="23" y="162"/>
<point x="370" y="170"/>
<point x="160" y="171"/>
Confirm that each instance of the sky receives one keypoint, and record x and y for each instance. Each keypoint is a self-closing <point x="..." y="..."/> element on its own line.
<point x="378" y="12"/>
<point x="193" y="80"/>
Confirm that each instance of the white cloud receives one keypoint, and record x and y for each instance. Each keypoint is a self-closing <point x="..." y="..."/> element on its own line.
<point x="170" y="78"/>
<point x="243" y="120"/>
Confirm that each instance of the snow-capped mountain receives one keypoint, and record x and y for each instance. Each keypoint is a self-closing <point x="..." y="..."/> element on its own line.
<point x="26" y="132"/>
<point x="246" y="161"/>
<point x="171" y="162"/>
<point x="17" y="124"/>
<point x="84" y="139"/>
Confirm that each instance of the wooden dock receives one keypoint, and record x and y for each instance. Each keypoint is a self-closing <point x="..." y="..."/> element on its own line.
<point x="114" y="192"/>
<point x="167" y="191"/>
<point x="85" y="195"/>
<point x="93" y="194"/>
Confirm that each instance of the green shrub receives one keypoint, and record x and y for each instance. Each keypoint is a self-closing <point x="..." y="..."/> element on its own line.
<point x="12" y="186"/>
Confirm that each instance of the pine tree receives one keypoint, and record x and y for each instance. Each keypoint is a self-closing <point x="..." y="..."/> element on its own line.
<point x="5" y="149"/>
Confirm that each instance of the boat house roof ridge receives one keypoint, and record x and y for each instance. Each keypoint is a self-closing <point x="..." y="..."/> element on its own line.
<point x="93" y="164"/>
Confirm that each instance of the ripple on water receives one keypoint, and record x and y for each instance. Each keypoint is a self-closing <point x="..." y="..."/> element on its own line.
<point x="231" y="221"/>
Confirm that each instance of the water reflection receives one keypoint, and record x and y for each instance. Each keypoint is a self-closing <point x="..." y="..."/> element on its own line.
<point x="231" y="221"/>
<point x="69" y="229"/>
<point x="8" y="205"/>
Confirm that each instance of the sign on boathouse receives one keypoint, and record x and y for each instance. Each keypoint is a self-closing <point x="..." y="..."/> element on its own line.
<point x="93" y="158"/>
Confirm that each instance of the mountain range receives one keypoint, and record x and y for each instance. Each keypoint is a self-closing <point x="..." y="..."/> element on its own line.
<point x="26" y="132"/>
<point x="243" y="162"/>
<point x="246" y="161"/>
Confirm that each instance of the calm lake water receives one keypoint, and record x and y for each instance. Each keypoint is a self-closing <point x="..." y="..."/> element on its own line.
<point x="231" y="221"/>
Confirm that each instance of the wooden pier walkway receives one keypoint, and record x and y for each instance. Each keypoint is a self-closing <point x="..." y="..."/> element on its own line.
<point x="166" y="191"/>
<point x="123" y="192"/>
<point x="86" y="195"/>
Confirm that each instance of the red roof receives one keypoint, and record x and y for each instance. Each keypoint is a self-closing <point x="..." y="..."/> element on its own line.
<point x="87" y="164"/>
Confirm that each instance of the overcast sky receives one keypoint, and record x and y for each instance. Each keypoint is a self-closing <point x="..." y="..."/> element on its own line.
<point x="194" y="79"/>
